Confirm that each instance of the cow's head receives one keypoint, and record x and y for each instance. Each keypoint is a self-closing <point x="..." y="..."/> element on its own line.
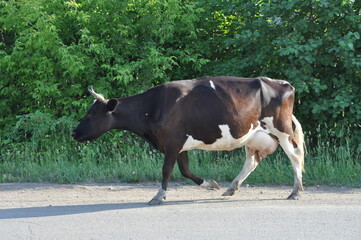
<point x="98" y="119"/>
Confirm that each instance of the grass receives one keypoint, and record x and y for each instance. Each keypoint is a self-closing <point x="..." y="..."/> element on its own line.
<point x="63" y="161"/>
<point x="39" y="149"/>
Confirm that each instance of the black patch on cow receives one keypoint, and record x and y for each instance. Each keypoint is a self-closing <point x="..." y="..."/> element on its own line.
<point x="205" y="111"/>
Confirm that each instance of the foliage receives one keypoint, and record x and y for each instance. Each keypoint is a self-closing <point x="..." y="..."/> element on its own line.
<point x="315" y="45"/>
<point x="52" y="50"/>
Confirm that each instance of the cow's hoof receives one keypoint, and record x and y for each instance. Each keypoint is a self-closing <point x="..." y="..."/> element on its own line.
<point x="155" y="201"/>
<point x="229" y="192"/>
<point x="159" y="197"/>
<point x="209" y="183"/>
<point x="294" y="196"/>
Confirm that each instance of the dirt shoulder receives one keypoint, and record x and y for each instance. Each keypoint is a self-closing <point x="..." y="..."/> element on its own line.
<point x="14" y="195"/>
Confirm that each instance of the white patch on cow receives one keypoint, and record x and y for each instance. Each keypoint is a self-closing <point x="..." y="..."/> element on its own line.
<point x="282" y="137"/>
<point x="95" y="100"/>
<point x="205" y="184"/>
<point x="226" y="142"/>
<point x="212" y="84"/>
<point x="257" y="139"/>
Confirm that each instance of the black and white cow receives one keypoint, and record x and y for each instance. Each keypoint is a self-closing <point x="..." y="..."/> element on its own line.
<point x="210" y="113"/>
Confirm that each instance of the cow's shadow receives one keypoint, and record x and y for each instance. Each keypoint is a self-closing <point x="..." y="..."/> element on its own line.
<point x="50" y="211"/>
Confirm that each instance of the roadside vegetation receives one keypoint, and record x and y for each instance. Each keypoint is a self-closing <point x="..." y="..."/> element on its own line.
<point x="45" y="152"/>
<point x="51" y="51"/>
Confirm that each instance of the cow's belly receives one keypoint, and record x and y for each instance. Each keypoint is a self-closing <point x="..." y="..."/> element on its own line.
<point x="256" y="139"/>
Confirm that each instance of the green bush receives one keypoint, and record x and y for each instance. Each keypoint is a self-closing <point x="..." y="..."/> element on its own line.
<point x="52" y="51"/>
<point x="315" y="45"/>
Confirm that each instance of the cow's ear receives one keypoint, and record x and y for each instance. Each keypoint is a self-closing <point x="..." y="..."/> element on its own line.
<point x="112" y="104"/>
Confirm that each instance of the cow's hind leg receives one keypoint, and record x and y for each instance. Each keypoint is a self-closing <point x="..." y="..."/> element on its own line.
<point x="183" y="164"/>
<point x="296" y="157"/>
<point x="252" y="160"/>
<point x="292" y="145"/>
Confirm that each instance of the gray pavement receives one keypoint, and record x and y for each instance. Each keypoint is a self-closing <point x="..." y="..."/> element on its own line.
<point x="52" y="211"/>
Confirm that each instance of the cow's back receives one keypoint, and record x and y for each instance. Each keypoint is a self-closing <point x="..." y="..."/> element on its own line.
<point x="200" y="107"/>
<point x="215" y="101"/>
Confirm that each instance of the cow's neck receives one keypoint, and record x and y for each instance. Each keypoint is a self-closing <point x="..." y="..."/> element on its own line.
<point x="134" y="116"/>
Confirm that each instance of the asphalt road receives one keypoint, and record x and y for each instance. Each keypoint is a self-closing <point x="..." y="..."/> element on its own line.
<point x="119" y="211"/>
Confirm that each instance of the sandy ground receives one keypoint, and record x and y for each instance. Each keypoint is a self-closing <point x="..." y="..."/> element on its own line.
<point x="119" y="211"/>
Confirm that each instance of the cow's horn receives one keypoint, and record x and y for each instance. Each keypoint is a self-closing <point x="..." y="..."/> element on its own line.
<point x="98" y="96"/>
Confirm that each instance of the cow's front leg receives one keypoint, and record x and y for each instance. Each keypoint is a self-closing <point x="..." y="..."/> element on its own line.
<point x="168" y="165"/>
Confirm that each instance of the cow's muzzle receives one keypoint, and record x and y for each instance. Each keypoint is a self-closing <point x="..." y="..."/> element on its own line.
<point x="76" y="136"/>
<point x="80" y="137"/>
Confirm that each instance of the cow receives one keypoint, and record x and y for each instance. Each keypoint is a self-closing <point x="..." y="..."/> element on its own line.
<point x="209" y="113"/>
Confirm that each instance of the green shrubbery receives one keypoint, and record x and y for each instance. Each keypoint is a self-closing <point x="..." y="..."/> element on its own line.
<point x="51" y="51"/>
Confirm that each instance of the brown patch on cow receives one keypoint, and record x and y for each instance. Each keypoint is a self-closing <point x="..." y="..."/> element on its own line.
<point x="274" y="137"/>
<point x="293" y="142"/>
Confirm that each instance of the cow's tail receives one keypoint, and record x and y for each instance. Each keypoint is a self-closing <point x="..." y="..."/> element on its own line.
<point x="299" y="139"/>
